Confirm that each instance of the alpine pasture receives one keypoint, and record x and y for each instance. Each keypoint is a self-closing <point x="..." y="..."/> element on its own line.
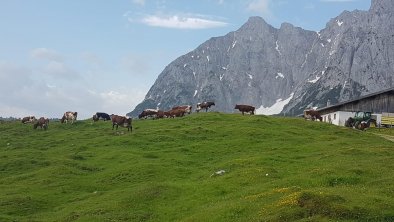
<point x="201" y="167"/>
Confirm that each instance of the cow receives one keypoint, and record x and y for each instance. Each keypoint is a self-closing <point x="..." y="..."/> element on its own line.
<point x="103" y="116"/>
<point x="123" y="121"/>
<point x="204" y="105"/>
<point x="28" y="119"/>
<point x="176" y="113"/>
<point x="161" y="114"/>
<point x="167" y="114"/>
<point x="186" y="108"/>
<point x="42" y="123"/>
<point x="69" y="116"/>
<point x="148" y="113"/>
<point x="313" y="115"/>
<point x="245" y="109"/>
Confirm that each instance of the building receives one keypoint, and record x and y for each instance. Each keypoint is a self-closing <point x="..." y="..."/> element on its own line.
<point x="376" y="103"/>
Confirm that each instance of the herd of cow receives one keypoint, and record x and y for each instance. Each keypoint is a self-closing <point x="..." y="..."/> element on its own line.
<point x="125" y="121"/>
<point x="179" y="111"/>
<point x="69" y="116"/>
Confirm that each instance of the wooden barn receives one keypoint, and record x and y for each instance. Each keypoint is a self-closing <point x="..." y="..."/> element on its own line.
<point x="379" y="104"/>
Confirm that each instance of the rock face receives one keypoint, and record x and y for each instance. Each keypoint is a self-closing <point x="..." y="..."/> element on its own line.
<point x="284" y="70"/>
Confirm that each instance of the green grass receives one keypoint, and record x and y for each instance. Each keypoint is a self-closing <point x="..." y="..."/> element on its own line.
<point x="277" y="169"/>
<point x="383" y="130"/>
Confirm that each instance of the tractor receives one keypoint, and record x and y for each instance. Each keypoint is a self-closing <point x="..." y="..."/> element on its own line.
<point x="361" y="120"/>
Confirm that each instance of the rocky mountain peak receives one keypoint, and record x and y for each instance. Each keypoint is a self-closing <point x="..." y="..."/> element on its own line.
<point x="256" y="24"/>
<point x="382" y="6"/>
<point x="256" y="20"/>
<point x="286" y="25"/>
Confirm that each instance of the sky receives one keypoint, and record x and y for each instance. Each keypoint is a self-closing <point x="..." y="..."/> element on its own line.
<point x="103" y="56"/>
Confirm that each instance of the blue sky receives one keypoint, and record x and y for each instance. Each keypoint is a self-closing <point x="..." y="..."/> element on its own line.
<point x="98" y="55"/>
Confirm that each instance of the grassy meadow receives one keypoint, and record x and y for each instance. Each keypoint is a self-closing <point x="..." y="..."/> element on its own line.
<point x="276" y="169"/>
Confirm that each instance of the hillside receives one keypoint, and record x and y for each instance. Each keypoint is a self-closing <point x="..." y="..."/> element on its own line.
<point x="276" y="169"/>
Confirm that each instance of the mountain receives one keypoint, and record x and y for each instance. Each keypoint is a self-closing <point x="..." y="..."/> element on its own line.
<point x="284" y="70"/>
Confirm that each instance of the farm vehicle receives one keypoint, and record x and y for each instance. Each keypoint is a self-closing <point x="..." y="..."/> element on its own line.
<point x="361" y="120"/>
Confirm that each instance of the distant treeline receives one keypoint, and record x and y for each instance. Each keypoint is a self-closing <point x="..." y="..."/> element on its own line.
<point x="9" y="118"/>
<point x="4" y="119"/>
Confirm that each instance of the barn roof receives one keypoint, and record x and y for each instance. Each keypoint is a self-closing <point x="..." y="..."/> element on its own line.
<point x="360" y="98"/>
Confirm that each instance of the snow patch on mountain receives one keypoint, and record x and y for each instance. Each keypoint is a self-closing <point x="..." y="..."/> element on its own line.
<point x="277" y="48"/>
<point x="279" y="75"/>
<point x="314" y="80"/>
<point x="276" y="108"/>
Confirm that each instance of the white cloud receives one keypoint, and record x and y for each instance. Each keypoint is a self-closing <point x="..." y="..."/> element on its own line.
<point x="13" y="77"/>
<point x="47" y="54"/>
<point x="181" y="22"/>
<point x="59" y="70"/>
<point x="13" y="111"/>
<point x="139" y="2"/>
<point x="260" y="6"/>
<point x="135" y="65"/>
<point x="120" y="101"/>
<point x="25" y="91"/>
<point x="92" y="59"/>
<point x="310" y="6"/>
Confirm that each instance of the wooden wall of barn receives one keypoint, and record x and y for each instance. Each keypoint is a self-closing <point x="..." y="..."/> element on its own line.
<point x="379" y="103"/>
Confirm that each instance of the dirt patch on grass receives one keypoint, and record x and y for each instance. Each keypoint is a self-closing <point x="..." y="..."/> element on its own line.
<point x="387" y="137"/>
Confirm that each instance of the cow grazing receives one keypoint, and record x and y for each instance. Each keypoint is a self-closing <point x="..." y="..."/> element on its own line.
<point x="42" y="123"/>
<point x="123" y="121"/>
<point x="148" y="113"/>
<point x="103" y="116"/>
<point x="176" y="113"/>
<point x="245" y="109"/>
<point x="167" y="114"/>
<point x="313" y="115"/>
<point x="69" y="116"/>
<point x="161" y="114"/>
<point x="186" y="108"/>
<point x="28" y="119"/>
<point x="204" y="105"/>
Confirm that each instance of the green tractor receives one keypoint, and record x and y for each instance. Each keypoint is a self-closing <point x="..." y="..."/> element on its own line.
<point x="361" y="120"/>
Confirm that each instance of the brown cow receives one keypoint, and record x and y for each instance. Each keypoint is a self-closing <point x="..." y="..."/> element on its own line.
<point x="161" y="114"/>
<point x="312" y="114"/>
<point x="176" y="113"/>
<point x="69" y="116"/>
<point x="245" y="109"/>
<point x="123" y="121"/>
<point x="42" y="123"/>
<point x="186" y="108"/>
<point x="28" y="119"/>
<point x="204" y="105"/>
<point x="167" y="114"/>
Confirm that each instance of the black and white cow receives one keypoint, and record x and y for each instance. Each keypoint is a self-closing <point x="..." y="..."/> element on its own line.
<point x="204" y="105"/>
<point x="148" y="113"/>
<point x="28" y="119"/>
<point x="103" y="116"/>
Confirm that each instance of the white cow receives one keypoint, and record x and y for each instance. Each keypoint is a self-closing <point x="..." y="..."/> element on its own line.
<point x="69" y="116"/>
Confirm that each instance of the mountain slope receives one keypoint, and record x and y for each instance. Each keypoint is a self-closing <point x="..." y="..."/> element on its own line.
<point x="354" y="57"/>
<point x="268" y="67"/>
<point x="165" y="171"/>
